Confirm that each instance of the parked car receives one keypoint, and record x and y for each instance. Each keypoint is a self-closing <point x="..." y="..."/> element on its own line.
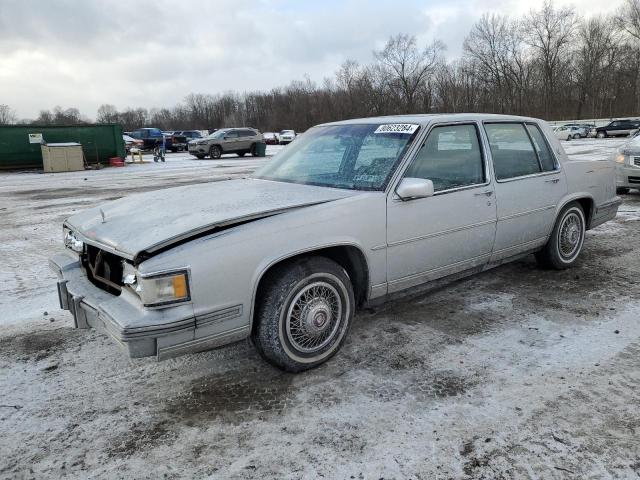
<point x="227" y="140"/>
<point x="583" y="128"/>
<point x="566" y="133"/>
<point x="130" y="142"/>
<point x="627" y="159"/>
<point x="286" y="136"/>
<point x="618" y="128"/>
<point x="175" y="142"/>
<point x="270" y="138"/>
<point x="329" y="225"/>
<point x="152" y="138"/>
<point x="190" y="134"/>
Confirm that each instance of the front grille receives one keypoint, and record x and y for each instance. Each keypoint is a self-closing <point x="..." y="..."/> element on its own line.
<point x="103" y="269"/>
<point x="634" y="179"/>
<point x="636" y="161"/>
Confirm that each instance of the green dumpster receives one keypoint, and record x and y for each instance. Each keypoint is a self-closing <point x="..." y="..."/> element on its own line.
<point x="20" y="144"/>
<point x="261" y="149"/>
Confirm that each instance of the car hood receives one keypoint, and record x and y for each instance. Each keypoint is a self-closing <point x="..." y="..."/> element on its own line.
<point x="151" y="221"/>
<point x="632" y="146"/>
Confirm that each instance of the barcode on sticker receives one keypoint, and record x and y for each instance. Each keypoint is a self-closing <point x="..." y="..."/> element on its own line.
<point x="397" y="128"/>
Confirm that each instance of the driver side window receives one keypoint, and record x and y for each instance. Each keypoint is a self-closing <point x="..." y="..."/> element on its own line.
<point x="450" y="158"/>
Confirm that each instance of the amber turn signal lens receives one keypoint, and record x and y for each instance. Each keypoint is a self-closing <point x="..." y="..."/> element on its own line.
<point x="180" y="286"/>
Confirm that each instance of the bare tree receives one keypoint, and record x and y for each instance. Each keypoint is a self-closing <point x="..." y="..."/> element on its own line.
<point x="408" y="67"/>
<point x="628" y="18"/>
<point x="596" y="52"/>
<point x="495" y="45"/>
<point x="7" y="115"/>
<point x="107" y="114"/>
<point x="549" y="32"/>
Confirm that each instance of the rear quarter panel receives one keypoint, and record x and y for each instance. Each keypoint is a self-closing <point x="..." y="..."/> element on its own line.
<point x="586" y="178"/>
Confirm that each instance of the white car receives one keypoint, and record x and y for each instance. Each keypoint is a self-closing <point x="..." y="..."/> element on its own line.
<point x="351" y="214"/>
<point x="567" y="132"/>
<point x="286" y="136"/>
<point x="627" y="159"/>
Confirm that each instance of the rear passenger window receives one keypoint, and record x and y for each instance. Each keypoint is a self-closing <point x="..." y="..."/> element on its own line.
<point x="450" y="158"/>
<point x="542" y="148"/>
<point x="512" y="152"/>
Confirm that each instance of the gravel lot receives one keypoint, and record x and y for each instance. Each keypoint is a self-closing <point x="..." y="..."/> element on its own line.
<point x="514" y="373"/>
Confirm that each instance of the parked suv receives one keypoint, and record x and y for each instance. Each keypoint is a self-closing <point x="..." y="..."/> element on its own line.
<point x="227" y="140"/>
<point x="618" y="128"/>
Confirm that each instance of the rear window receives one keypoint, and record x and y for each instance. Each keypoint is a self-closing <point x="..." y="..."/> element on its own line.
<point x="512" y="151"/>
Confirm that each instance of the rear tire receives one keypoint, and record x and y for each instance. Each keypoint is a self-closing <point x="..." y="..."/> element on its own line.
<point x="241" y="154"/>
<point x="622" y="190"/>
<point x="303" y="313"/>
<point x="566" y="240"/>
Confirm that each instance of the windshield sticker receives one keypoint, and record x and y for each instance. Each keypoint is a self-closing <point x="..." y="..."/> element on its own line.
<point x="397" y="128"/>
<point x="367" y="178"/>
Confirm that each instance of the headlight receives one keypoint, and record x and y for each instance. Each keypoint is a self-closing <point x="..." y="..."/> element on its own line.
<point x="70" y="241"/>
<point x="201" y="142"/>
<point x="163" y="289"/>
<point x="620" y="158"/>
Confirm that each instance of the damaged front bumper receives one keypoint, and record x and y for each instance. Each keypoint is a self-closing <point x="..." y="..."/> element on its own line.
<point x="142" y="332"/>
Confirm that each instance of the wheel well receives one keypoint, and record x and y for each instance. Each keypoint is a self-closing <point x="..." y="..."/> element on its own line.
<point x="587" y="207"/>
<point x="348" y="257"/>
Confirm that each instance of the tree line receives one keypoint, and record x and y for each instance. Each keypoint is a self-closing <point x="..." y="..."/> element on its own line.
<point x="549" y="63"/>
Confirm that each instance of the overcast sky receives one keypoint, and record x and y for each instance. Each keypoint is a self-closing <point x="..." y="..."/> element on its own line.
<point x="83" y="53"/>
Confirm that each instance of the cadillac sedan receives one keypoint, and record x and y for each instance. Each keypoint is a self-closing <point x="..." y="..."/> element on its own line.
<point x="352" y="213"/>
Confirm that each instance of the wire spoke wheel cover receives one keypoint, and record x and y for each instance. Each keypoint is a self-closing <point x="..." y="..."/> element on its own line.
<point x="313" y="318"/>
<point x="570" y="235"/>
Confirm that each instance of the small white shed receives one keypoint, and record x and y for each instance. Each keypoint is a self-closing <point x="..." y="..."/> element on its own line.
<point x="62" y="157"/>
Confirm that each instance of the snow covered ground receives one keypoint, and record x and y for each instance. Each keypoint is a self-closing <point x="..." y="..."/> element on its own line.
<point x="514" y="373"/>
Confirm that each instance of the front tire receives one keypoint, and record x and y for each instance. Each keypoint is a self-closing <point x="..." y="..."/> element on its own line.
<point x="622" y="190"/>
<point x="215" y="152"/>
<point x="601" y="135"/>
<point x="565" y="244"/>
<point x="303" y="313"/>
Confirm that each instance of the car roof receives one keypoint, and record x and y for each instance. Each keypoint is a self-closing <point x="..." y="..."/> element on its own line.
<point x="425" y="119"/>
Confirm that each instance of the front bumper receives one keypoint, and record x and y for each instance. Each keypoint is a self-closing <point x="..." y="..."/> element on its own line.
<point x="628" y="176"/>
<point x="198" y="148"/>
<point x="142" y="332"/>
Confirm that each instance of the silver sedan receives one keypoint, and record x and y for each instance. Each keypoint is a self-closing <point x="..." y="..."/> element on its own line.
<point x="352" y="213"/>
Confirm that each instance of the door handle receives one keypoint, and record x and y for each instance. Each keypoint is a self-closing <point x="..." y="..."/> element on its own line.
<point x="486" y="194"/>
<point x="555" y="180"/>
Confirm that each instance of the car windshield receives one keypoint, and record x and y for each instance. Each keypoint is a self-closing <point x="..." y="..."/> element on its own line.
<point x="218" y="134"/>
<point x="355" y="157"/>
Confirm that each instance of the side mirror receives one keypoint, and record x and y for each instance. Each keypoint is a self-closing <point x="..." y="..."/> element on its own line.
<point x="410" y="188"/>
